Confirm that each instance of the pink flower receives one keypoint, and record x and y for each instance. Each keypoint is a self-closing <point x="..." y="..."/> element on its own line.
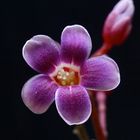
<point x="118" y="23"/>
<point x="66" y="74"/>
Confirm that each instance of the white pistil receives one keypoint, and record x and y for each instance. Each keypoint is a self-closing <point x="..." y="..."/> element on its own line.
<point x="64" y="77"/>
<point x="67" y="74"/>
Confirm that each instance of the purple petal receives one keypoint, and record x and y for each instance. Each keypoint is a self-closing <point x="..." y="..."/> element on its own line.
<point x="73" y="104"/>
<point x="100" y="73"/>
<point x="75" y="44"/>
<point x="41" y="53"/>
<point x="38" y="93"/>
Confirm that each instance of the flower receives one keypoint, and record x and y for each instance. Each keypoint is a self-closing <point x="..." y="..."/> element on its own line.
<point x="66" y="74"/>
<point x="118" y="23"/>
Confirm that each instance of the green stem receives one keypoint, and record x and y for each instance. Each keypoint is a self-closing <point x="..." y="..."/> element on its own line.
<point x="81" y="132"/>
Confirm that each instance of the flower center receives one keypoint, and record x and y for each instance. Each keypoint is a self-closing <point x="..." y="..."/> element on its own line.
<point x="67" y="76"/>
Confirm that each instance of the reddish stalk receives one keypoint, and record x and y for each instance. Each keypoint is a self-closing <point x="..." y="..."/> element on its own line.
<point x="101" y="100"/>
<point x="98" y="126"/>
<point x="103" y="50"/>
<point x="95" y="119"/>
<point x="98" y="115"/>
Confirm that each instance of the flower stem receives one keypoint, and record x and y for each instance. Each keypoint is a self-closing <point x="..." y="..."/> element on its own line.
<point x="81" y="132"/>
<point x="103" y="50"/>
<point x="100" y="129"/>
<point x="101" y="100"/>
<point x="98" y="116"/>
<point x="95" y="119"/>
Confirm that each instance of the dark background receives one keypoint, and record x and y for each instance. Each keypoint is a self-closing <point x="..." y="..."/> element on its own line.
<point x="23" y="19"/>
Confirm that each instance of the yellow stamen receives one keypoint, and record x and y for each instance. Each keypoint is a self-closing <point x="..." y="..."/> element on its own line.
<point x="67" y="76"/>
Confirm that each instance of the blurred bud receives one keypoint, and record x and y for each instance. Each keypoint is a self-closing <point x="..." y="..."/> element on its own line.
<point x="118" y="23"/>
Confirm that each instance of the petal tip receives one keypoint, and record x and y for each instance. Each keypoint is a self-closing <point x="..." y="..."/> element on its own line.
<point x="100" y="73"/>
<point x="73" y="104"/>
<point x="76" y="27"/>
<point x="76" y="44"/>
<point x="41" y="53"/>
<point x="38" y="93"/>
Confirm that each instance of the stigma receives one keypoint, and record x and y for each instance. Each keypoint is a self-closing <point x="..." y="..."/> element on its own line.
<point x="67" y="76"/>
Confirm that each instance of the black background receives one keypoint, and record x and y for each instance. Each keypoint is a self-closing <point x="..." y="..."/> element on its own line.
<point x="20" y="21"/>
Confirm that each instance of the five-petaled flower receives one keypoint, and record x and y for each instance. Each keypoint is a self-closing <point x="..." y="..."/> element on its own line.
<point x="66" y="74"/>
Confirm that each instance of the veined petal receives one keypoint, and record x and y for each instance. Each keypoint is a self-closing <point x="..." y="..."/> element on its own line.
<point x="75" y="44"/>
<point x="73" y="104"/>
<point x="38" y="93"/>
<point x="41" y="53"/>
<point x="100" y="73"/>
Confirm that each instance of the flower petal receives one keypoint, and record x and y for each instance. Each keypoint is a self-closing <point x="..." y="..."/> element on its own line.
<point x="76" y="44"/>
<point x="100" y="73"/>
<point x="41" y="53"/>
<point x="73" y="104"/>
<point x="38" y="93"/>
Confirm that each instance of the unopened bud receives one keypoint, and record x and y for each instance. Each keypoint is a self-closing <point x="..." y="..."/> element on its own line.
<point x="118" y="23"/>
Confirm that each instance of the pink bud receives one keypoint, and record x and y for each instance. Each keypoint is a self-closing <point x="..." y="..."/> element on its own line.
<point x="118" y="23"/>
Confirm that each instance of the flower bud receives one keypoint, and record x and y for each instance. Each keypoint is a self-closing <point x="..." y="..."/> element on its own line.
<point x="118" y="25"/>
